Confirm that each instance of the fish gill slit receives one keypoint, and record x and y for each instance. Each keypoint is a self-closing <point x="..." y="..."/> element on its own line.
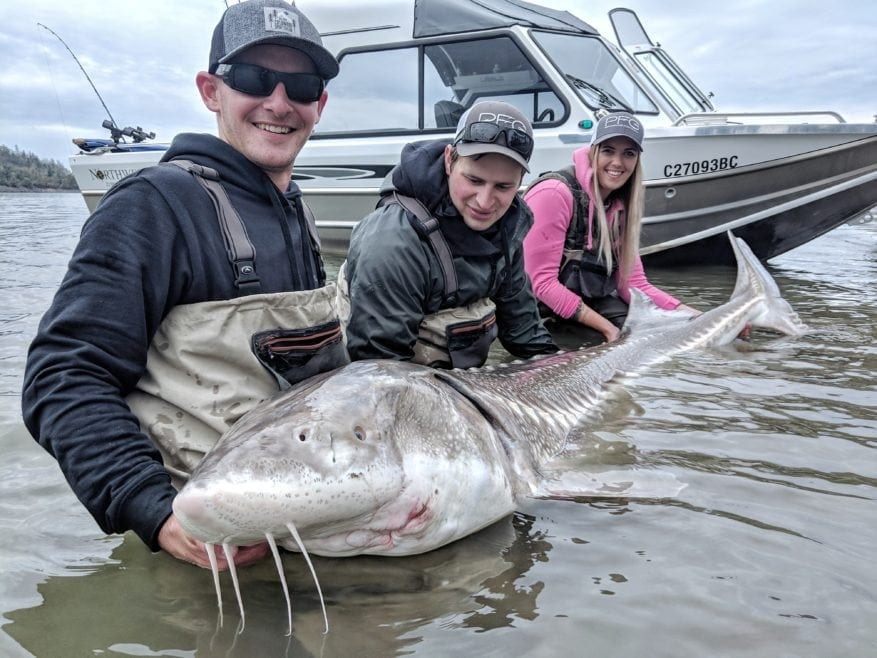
<point x="301" y="548"/>
<point x="214" y="569"/>
<point x="226" y="548"/>
<point x="282" y="575"/>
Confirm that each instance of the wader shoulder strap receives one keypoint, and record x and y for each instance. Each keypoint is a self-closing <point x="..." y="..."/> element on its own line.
<point x="575" y="233"/>
<point x="427" y="227"/>
<point x="311" y="221"/>
<point x="240" y="250"/>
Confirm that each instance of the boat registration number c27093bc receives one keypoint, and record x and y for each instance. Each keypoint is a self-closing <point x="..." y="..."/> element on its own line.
<point x="700" y="166"/>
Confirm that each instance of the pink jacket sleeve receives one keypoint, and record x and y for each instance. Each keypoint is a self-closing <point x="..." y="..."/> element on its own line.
<point x="552" y="205"/>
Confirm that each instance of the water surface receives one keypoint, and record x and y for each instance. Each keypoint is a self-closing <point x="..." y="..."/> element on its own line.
<point x="768" y="551"/>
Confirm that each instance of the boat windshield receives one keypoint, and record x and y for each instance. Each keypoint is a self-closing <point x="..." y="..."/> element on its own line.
<point x="664" y="74"/>
<point x="416" y="88"/>
<point x="595" y="72"/>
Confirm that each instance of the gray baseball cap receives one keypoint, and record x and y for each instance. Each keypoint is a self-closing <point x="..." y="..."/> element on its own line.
<point x="619" y="124"/>
<point x="255" y="22"/>
<point x="495" y="127"/>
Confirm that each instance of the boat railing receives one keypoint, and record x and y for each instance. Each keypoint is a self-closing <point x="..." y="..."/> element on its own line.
<point x="707" y="118"/>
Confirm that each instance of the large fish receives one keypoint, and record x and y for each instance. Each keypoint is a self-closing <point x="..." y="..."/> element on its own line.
<point x="392" y="458"/>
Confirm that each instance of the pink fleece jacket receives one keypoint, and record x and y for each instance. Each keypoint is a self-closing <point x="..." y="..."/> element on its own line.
<point x="552" y="205"/>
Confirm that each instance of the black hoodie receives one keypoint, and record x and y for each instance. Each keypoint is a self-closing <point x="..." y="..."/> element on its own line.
<point x="152" y="243"/>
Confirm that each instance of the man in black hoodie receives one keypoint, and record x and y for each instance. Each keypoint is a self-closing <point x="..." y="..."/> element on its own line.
<point x="436" y="272"/>
<point x="156" y="340"/>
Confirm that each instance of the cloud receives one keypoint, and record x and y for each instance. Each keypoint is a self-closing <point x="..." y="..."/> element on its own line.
<point x="142" y="57"/>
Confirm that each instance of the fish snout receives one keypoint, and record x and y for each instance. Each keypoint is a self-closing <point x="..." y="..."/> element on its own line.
<point x="338" y="446"/>
<point x="195" y="509"/>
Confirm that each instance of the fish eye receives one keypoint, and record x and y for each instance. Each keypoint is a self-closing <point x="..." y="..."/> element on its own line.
<point x="302" y="437"/>
<point x="359" y="433"/>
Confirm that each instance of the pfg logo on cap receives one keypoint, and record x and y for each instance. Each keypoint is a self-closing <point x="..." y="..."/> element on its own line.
<point x="503" y="120"/>
<point x="622" y="121"/>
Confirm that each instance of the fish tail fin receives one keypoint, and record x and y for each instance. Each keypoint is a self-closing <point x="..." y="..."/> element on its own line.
<point x="754" y="280"/>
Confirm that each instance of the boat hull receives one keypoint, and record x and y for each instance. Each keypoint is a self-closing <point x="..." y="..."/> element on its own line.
<point x="774" y="206"/>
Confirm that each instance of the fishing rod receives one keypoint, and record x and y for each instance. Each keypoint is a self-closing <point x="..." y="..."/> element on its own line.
<point x="138" y="134"/>
<point x="84" y="72"/>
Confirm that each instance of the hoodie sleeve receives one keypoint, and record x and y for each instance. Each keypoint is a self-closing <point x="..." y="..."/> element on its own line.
<point x="90" y="351"/>
<point x="521" y="330"/>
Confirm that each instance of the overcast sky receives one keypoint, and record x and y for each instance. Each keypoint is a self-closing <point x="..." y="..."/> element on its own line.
<point x="765" y="55"/>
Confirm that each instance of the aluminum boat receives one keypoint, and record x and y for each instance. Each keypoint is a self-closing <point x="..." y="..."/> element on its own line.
<point x="410" y="69"/>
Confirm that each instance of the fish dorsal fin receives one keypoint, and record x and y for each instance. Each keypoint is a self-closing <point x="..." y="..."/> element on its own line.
<point x="644" y="314"/>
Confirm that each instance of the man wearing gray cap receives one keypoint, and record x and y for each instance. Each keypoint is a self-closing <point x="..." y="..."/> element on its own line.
<point x="436" y="272"/>
<point x="186" y="278"/>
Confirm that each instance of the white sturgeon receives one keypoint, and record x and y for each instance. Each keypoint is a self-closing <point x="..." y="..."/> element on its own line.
<point x="392" y="458"/>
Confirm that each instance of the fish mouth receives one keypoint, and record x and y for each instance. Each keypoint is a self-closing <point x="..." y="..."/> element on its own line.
<point x="387" y="530"/>
<point x="242" y="511"/>
<point x="337" y="540"/>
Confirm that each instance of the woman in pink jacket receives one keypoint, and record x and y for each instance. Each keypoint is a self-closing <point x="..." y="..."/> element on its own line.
<point x="582" y="253"/>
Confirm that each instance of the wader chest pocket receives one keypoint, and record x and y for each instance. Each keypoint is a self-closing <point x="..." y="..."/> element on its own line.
<point x="469" y="342"/>
<point x="293" y="355"/>
<point x="587" y="279"/>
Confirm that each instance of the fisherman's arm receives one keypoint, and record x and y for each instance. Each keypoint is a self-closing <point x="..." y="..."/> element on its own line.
<point x="388" y="277"/>
<point x="176" y="542"/>
<point x="90" y="351"/>
<point x="521" y="330"/>
<point x="588" y="317"/>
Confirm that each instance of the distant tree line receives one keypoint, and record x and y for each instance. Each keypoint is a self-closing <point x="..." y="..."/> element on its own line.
<point x="20" y="170"/>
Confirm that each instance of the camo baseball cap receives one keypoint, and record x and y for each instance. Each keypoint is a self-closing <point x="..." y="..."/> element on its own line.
<point x="255" y="22"/>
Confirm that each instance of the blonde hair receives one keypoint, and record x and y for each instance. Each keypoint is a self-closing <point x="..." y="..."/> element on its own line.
<point x="622" y="241"/>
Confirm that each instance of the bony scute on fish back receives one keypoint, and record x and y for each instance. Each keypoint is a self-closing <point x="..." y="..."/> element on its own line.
<point x="393" y="458"/>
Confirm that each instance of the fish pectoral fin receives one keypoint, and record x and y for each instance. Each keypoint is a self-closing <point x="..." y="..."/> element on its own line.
<point x="626" y="483"/>
<point x="644" y="315"/>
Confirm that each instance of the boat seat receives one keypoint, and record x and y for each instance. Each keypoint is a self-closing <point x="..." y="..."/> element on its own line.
<point x="447" y="114"/>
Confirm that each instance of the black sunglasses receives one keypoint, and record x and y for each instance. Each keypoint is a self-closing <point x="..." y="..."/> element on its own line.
<point x="259" y="81"/>
<point x="487" y="132"/>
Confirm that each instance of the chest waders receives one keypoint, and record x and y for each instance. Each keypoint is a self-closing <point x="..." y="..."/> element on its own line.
<point x="211" y="362"/>
<point x="455" y="337"/>
<point x="581" y="270"/>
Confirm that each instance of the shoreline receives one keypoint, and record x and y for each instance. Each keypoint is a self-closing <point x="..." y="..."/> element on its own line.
<point x="5" y="188"/>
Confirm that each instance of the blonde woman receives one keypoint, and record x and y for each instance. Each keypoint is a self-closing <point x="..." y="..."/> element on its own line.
<point x="582" y="253"/>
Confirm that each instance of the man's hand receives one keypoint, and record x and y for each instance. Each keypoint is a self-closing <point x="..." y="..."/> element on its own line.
<point x="176" y="542"/>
